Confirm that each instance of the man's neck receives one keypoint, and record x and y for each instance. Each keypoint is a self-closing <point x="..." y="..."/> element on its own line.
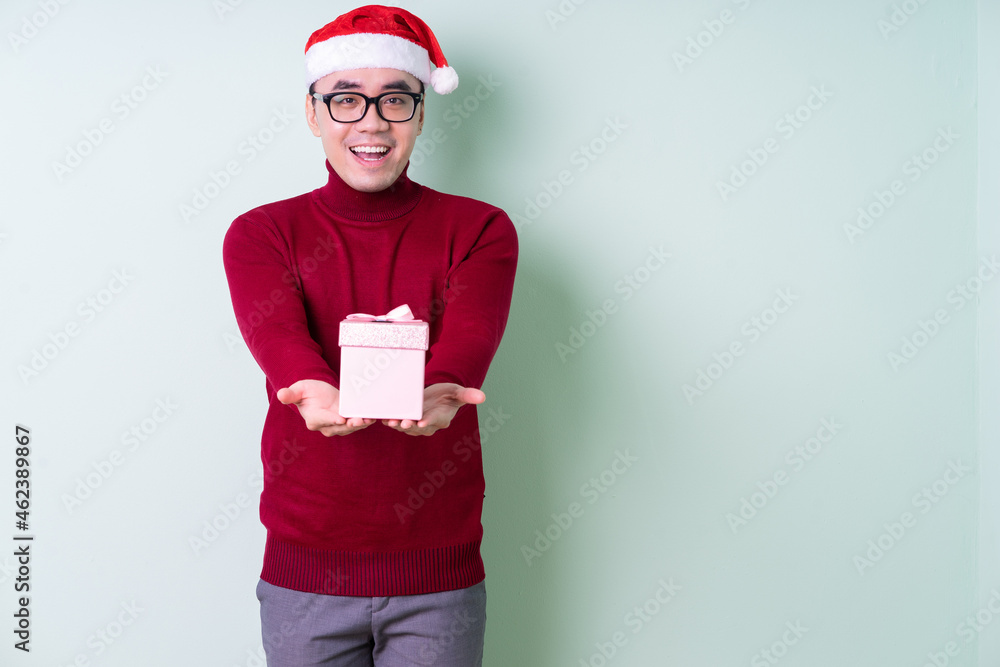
<point x="393" y="202"/>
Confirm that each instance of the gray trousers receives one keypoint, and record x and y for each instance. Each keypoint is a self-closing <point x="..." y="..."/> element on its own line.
<point x="306" y="629"/>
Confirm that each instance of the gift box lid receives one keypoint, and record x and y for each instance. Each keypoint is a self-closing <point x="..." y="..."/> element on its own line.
<point x="396" y="329"/>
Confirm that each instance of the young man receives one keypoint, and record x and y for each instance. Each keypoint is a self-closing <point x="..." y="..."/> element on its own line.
<point x="373" y="535"/>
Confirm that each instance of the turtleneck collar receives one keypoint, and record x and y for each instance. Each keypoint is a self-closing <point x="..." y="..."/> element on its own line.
<point x="395" y="201"/>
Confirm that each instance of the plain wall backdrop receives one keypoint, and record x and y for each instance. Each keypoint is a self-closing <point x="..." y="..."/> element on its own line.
<point x="745" y="409"/>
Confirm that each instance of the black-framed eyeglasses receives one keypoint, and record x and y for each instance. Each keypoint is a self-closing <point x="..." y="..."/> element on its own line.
<point x="394" y="107"/>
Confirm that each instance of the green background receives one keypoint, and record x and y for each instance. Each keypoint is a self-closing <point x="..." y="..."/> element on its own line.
<point x="607" y="147"/>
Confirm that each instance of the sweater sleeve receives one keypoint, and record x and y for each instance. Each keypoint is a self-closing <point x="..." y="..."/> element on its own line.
<point x="477" y="301"/>
<point x="268" y="303"/>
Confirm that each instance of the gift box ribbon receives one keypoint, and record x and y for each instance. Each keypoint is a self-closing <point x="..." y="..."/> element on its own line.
<point x="397" y="329"/>
<point x="397" y="314"/>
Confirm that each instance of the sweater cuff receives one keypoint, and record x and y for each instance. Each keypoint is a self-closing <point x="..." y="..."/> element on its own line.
<point x="438" y="377"/>
<point x="322" y="375"/>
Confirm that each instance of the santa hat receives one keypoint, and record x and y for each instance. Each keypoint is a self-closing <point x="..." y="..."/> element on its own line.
<point x="375" y="36"/>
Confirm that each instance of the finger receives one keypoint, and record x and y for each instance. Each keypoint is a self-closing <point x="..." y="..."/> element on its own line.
<point x="470" y="396"/>
<point x="289" y="396"/>
<point x="330" y="431"/>
<point x="319" y="423"/>
<point x="332" y="418"/>
<point x="412" y="431"/>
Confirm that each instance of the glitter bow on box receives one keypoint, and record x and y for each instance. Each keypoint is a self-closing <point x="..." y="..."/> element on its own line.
<point x="395" y="329"/>
<point x="397" y="314"/>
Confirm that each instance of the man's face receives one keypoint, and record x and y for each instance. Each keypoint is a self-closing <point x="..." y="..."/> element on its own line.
<point x="366" y="171"/>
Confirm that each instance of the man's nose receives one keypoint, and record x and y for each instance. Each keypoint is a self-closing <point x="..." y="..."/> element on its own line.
<point x="371" y="121"/>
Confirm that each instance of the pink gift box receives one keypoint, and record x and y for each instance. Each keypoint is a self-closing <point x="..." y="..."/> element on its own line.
<point x="382" y="365"/>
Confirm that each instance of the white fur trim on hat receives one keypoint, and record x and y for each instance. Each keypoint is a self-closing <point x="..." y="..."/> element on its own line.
<point x="367" y="51"/>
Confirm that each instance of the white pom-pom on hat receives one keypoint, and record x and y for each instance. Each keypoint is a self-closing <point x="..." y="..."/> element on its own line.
<point x="376" y="36"/>
<point x="444" y="80"/>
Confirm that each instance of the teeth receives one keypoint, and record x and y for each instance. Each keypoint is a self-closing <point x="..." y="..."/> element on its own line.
<point x="369" y="149"/>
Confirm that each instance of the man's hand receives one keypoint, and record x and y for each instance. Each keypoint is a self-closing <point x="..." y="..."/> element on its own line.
<point x="319" y="404"/>
<point x="441" y="402"/>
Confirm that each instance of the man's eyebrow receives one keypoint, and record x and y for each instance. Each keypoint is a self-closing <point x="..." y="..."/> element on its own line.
<point x="346" y="85"/>
<point x="399" y="84"/>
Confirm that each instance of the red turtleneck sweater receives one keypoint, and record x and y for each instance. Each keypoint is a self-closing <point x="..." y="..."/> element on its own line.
<point x="377" y="512"/>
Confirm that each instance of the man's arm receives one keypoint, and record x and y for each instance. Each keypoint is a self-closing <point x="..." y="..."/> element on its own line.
<point x="472" y="323"/>
<point x="477" y="303"/>
<point x="270" y="311"/>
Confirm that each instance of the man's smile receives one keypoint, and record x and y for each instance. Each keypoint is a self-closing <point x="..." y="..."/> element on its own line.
<point x="370" y="153"/>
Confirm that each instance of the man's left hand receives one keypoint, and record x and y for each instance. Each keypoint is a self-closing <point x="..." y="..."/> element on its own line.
<point x="441" y="402"/>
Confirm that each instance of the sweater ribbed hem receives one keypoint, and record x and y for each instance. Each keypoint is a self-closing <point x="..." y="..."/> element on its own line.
<point x="359" y="573"/>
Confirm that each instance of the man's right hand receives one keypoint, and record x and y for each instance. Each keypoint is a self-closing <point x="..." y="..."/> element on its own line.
<point x="319" y="405"/>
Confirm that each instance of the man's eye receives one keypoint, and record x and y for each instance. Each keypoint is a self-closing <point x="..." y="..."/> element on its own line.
<point x="346" y="100"/>
<point x="392" y="100"/>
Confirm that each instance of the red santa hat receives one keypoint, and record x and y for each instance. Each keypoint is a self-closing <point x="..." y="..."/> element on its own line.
<point x="375" y="36"/>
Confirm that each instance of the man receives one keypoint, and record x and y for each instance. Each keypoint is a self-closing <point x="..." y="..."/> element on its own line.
<point x="373" y="535"/>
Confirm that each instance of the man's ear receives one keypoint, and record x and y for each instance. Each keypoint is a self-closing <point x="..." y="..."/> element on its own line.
<point x="420" y="123"/>
<point x="311" y="114"/>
